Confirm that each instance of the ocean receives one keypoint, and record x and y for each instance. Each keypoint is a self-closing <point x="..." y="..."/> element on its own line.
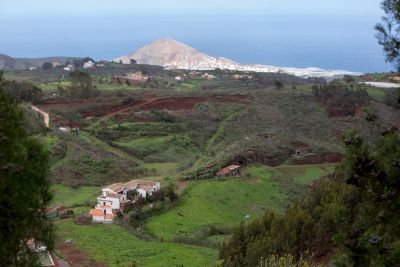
<point x="330" y="42"/>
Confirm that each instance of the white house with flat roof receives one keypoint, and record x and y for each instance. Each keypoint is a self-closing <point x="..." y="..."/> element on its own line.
<point x="113" y="198"/>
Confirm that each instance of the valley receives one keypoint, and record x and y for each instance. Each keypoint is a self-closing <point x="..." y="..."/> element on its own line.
<point x="181" y="132"/>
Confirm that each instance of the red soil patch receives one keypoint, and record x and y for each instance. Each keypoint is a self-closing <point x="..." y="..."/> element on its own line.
<point x="318" y="159"/>
<point x="110" y="110"/>
<point x="75" y="256"/>
<point x="174" y="103"/>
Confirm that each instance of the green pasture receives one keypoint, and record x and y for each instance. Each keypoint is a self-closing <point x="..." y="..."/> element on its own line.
<point x="115" y="246"/>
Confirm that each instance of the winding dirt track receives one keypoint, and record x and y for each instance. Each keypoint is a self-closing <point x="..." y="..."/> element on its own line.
<point x="45" y="115"/>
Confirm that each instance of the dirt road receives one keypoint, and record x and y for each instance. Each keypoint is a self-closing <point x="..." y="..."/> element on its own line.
<point x="45" y="115"/>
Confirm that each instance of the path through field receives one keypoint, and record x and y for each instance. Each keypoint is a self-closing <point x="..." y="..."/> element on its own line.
<point x="45" y="115"/>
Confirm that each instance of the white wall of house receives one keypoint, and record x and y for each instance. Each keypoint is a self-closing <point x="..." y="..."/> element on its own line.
<point x="108" y="220"/>
<point x="141" y="192"/>
<point x="98" y="218"/>
<point x="112" y="201"/>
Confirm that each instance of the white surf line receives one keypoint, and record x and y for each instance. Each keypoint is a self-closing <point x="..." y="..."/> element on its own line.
<point x="46" y="117"/>
<point x="382" y="84"/>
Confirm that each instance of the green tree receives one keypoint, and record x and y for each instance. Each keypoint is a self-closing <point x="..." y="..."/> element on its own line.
<point x="47" y="66"/>
<point x="24" y="188"/>
<point x="354" y="212"/>
<point x="388" y="31"/>
<point x="278" y="84"/>
<point x="82" y="85"/>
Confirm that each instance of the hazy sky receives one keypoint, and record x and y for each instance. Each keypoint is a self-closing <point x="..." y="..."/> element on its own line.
<point x="12" y="8"/>
<point x="334" y="34"/>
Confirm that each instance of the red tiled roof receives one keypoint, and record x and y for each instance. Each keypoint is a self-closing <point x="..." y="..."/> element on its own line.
<point x="228" y="169"/>
<point x="96" y="212"/>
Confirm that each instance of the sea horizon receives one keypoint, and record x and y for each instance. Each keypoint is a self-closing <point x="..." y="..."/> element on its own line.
<point x="301" y="41"/>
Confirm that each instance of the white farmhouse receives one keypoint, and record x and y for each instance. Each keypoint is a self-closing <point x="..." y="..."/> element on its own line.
<point x="116" y="201"/>
<point x="113" y="198"/>
<point x="89" y="64"/>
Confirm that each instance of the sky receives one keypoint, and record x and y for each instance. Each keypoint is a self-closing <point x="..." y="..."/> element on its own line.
<point x="12" y="8"/>
<point x="336" y="34"/>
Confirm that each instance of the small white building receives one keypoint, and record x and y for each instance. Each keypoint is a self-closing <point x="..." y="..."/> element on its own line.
<point x="102" y="214"/>
<point x="67" y="68"/>
<point x="115" y="195"/>
<point x="208" y="76"/>
<point x="89" y="64"/>
<point x="32" y="68"/>
<point x="64" y="129"/>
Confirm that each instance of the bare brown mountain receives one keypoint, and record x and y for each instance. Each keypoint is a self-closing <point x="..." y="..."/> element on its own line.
<point x="172" y="54"/>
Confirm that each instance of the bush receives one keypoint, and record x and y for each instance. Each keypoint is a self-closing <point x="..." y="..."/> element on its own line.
<point x="286" y="260"/>
<point x="339" y="99"/>
<point x="128" y="101"/>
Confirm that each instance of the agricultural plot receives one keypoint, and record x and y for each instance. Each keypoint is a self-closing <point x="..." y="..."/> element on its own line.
<point x="115" y="246"/>
<point x="305" y="174"/>
<point x="83" y="195"/>
<point x="225" y="203"/>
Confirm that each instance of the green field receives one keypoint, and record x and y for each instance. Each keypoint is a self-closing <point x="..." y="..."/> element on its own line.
<point x="52" y="86"/>
<point x="377" y="94"/>
<point x="164" y="168"/>
<point x="146" y="145"/>
<point x="305" y="174"/>
<point x="227" y="202"/>
<point x="68" y="196"/>
<point x="219" y="203"/>
<point x="115" y="246"/>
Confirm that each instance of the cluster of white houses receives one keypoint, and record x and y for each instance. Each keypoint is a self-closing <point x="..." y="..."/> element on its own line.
<point x="113" y="198"/>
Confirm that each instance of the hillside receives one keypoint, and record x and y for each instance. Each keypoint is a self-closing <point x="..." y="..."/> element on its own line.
<point x="10" y="63"/>
<point x="182" y="132"/>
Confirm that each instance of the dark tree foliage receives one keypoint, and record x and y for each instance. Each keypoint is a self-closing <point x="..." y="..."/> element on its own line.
<point x="47" y="66"/>
<point x="77" y="63"/>
<point x="349" y="79"/>
<point x="339" y="99"/>
<point x="392" y="98"/>
<point x="24" y="188"/>
<point x="87" y="59"/>
<point x="278" y="84"/>
<point x="271" y="79"/>
<point x="21" y="91"/>
<point x="355" y="213"/>
<point x="388" y="31"/>
<point x="82" y="85"/>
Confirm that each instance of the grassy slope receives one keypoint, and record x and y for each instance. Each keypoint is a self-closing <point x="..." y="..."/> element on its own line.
<point x="115" y="246"/>
<point x="227" y="202"/>
<point x="220" y="129"/>
<point x="305" y="174"/>
<point x="70" y="196"/>
<point x="219" y="202"/>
